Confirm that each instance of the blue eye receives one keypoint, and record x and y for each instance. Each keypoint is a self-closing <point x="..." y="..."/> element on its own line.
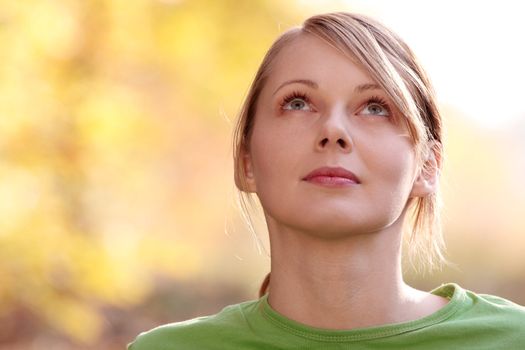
<point x="296" y="101"/>
<point x="376" y="106"/>
<point x="295" y="104"/>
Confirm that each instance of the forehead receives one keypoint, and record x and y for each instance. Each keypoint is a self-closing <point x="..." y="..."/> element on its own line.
<point x="309" y="57"/>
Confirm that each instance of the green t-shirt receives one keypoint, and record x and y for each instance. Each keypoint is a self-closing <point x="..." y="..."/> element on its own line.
<point x="468" y="321"/>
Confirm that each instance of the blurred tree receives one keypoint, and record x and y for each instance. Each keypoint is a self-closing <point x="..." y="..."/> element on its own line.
<point x="108" y="109"/>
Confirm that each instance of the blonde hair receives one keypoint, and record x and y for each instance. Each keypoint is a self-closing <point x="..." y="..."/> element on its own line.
<point x="392" y="64"/>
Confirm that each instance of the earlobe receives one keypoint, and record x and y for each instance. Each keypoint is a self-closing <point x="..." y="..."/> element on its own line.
<point x="427" y="180"/>
<point x="248" y="185"/>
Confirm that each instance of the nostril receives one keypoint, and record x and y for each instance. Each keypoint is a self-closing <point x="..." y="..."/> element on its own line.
<point x="341" y="143"/>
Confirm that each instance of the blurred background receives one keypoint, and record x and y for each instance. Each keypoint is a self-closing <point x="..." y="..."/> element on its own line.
<point x="118" y="210"/>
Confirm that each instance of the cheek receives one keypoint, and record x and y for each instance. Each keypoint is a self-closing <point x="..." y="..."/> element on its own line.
<point x="269" y="156"/>
<point x="394" y="163"/>
<point x="398" y="166"/>
<point x="275" y="146"/>
<point x="278" y="163"/>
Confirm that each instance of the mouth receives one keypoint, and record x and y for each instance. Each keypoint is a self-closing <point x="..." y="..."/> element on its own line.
<point x="332" y="176"/>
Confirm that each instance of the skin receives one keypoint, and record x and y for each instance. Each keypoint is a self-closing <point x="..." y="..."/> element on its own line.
<point x="335" y="250"/>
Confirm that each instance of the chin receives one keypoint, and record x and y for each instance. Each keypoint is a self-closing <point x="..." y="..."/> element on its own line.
<point x="332" y="228"/>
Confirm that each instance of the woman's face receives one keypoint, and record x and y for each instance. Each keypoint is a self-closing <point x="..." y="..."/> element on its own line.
<point x="319" y="109"/>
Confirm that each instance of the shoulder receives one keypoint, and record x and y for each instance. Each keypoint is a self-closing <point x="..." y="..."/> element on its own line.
<point x="496" y="305"/>
<point x="170" y="336"/>
<point x="500" y="307"/>
<point x="201" y="331"/>
<point x="490" y="313"/>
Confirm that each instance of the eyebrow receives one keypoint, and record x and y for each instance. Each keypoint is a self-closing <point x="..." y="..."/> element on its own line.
<point x="358" y="89"/>
<point x="363" y="87"/>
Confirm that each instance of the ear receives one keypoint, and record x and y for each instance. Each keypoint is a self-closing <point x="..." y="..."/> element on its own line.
<point x="248" y="185"/>
<point x="427" y="179"/>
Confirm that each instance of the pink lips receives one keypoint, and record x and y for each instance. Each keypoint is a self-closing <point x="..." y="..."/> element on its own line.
<point x="332" y="176"/>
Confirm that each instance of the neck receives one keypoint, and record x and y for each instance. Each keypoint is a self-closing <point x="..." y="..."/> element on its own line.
<point x="326" y="283"/>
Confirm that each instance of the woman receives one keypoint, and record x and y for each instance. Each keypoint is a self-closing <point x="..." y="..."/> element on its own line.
<point x="340" y="139"/>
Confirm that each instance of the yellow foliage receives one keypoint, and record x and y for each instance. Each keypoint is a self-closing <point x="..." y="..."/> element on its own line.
<point x="77" y="318"/>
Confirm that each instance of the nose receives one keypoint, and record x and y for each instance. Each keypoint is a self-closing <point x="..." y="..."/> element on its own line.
<point x="334" y="133"/>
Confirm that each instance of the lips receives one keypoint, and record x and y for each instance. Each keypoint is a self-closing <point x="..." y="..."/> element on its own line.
<point x="332" y="172"/>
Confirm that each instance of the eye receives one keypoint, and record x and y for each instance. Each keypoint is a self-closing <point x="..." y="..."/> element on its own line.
<point x="376" y="106"/>
<point x="296" y="101"/>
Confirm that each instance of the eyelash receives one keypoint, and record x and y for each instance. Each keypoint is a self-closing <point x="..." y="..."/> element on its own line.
<point x="296" y="94"/>
<point x="380" y="101"/>
<point x="292" y="96"/>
